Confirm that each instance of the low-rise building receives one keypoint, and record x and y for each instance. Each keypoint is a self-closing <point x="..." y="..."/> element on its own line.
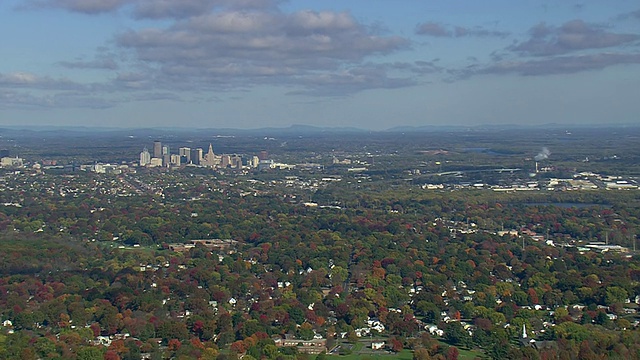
<point x="314" y="346"/>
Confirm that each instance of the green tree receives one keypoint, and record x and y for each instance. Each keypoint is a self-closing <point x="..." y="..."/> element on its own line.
<point x="615" y="294"/>
<point x="270" y="351"/>
<point x="91" y="353"/>
<point x="455" y="334"/>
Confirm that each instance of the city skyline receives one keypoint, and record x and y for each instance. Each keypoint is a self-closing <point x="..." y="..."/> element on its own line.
<point x="163" y="157"/>
<point x="268" y="63"/>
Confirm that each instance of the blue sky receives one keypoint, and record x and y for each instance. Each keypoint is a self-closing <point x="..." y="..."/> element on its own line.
<point x="370" y="64"/>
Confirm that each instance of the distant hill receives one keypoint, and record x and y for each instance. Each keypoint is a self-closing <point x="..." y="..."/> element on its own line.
<point x="72" y="131"/>
<point x="297" y="129"/>
<point x="505" y="127"/>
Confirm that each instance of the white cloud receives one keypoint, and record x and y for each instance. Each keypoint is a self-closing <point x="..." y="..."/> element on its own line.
<point x="80" y="6"/>
<point x="440" y="30"/>
<point x="152" y="9"/>
<point x="572" y="36"/>
<point x="240" y="48"/>
<point x="30" y="80"/>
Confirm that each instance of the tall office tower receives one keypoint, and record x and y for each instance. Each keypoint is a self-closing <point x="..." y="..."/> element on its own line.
<point x="175" y="160"/>
<point x="236" y="162"/>
<point x="157" y="149"/>
<point x="166" y="155"/>
<point x="209" y="159"/>
<point x="225" y="161"/>
<point x="263" y="155"/>
<point x="145" y="157"/>
<point x="196" y="156"/>
<point x="185" y="153"/>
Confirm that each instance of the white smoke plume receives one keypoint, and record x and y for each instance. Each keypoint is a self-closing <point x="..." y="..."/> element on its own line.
<point x="543" y="154"/>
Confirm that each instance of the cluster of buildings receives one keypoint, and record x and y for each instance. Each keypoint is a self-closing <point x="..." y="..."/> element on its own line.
<point x="11" y="162"/>
<point x="211" y="244"/>
<point x="579" y="182"/>
<point x="162" y="157"/>
<point x="7" y="161"/>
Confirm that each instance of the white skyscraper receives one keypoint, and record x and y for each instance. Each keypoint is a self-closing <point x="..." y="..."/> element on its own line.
<point x="185" y="153"/>
<point x="175" y="160"/>
<point x="145" y="157"/>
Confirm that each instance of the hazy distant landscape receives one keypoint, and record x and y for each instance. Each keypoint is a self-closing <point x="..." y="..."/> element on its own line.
<point x="319" y="180"/>
<point x="313" y="243"/>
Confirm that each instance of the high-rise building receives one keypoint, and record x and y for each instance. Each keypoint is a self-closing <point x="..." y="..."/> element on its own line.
<point x="263" y="155"/>
<point x="209" y="159"/>
<point x="185" y="154"/>
<point x="196" y="156"/>
<point x="166" y="155"/>
<point x="175" y="160"/>
<point x="157" y="149"/>
<point x="236" y="162"/>
<point x="225" y="161"/>
<point x="145" y="157"/>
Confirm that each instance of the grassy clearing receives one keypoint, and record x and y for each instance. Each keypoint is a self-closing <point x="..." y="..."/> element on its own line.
<point x="466" y="354"/>
<point x="403" y="355"/>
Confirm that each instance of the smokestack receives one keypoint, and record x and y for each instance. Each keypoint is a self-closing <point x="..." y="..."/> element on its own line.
<point x="536" y="167"/>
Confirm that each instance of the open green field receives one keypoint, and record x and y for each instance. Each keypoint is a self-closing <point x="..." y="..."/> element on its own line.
<point x="360" y="352"/>
<point x="466" y="354"/>
<point x="403" y="355"/>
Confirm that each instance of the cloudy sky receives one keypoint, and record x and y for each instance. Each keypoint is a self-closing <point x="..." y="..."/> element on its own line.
<point x="371" y="64"/>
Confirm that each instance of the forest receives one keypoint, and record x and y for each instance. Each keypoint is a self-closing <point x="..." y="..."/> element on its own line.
<point x="74" y="270"/>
